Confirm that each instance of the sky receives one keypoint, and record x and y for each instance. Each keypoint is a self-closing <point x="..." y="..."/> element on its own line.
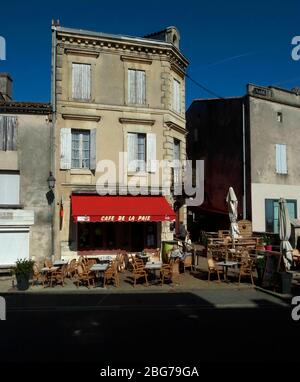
<point x="228" y="43"/>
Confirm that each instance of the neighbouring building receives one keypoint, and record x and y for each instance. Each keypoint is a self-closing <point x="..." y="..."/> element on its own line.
<point x="252" y="144"/>
<point x="25" y="208"/>
<point x="114" y="94"/>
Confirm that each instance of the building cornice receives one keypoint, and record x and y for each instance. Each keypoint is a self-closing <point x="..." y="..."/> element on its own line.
<point x="137" y="59"/>
<point x="85" y="40"/>
<point x="82" y="117"/>
<point x="174" y="126"/>
<point x="137" y="121"/>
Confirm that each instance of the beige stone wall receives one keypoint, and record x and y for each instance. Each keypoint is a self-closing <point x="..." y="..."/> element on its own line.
<point x="108" y="110"/>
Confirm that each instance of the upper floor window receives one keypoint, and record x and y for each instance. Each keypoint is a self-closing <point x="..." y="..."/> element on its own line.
<point x="136" y="87"/>
<point x="141" y="152"/>
<point x="9" y="188"/>
<point x="281" y="162"/>
<point x="81" y="81"/>
<point x="80" y="149"/>
<point x="8" y="133"/>
<point x="176" y="96"/>
<point x="176" y="149"/>
<point x="279" y="117"/>
<point x="77" y="149"/>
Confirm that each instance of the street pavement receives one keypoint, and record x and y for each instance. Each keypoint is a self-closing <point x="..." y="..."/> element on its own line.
<point x="193" y="327"/>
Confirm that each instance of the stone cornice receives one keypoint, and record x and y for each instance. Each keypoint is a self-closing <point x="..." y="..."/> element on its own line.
<point x="137" y="121"/>
<point x="82" y="52"/>
<point x="176" y="127"/>
<point x="137" y="59"/>
<point x="82" y="117"/>
<point x="86" y="40"/>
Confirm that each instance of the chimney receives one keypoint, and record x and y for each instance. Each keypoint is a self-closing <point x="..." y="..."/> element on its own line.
<point x="6" y="86"/>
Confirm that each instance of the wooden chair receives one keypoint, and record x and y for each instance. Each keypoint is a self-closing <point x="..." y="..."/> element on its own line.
<point x="246" y="269"/>
<point x="71" y="268"/>
<point x="139" y="272"/>
<point x="59" y="276"/>
<point x="213" y="268"/>
<point x="111" y="274"/>
<point x="154" y="253"/>
<point x="120" y="259"/>
<point x="37" y="275"/>
<point x="48" y="263"/>
<point x="166" y="273"/>
<point x="188" y="262"/>
<point x="84" y="276"/>
<point x="174" y="263"/>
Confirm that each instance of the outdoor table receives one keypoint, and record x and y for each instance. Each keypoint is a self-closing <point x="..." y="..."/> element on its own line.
<point x="60" y="263"/>
<point x="226" y="265"/>
<point x="50" y="271"/>
<point x="153" y="267"/>
<point x="99" y="268"/>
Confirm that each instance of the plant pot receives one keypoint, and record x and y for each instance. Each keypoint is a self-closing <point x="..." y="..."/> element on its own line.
<point x="268" y="247"/>
<point x="22" y="282"/>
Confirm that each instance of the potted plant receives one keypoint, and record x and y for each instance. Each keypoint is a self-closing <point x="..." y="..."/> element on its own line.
<point x="267" y="242"/>
<point x="23" y="272"/>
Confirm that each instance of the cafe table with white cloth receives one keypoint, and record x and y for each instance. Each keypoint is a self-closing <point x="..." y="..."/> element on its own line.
<point x="99" y="268"/>
<point x="153" y="266"/>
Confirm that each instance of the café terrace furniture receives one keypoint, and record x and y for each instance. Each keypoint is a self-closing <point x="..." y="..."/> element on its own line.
<point x="48" y="273"/>
<point x="227" y="264"/>
<point x="188" y="262"/>
<point x="139" y="272"/>
<point x="59" y="275"/>
<point x="111" y="274"/>
<point x="153" y="267"/>
<point x="246" y="270"/>
<point x="83" y="276"/>
<point x="37" y="275"/>
<point x="166" y="273"/>
<point x="213" y="269"/>
<point x="97" y="269"/>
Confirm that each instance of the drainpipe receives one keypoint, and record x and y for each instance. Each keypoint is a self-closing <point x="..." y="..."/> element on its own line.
<point x="244" y="163"/>
<point x="53" y="131"/>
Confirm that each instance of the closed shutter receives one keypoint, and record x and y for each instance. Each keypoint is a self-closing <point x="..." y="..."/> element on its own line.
<point x="281" y="162"/>
<point x="9" y="189"/>
<point x="93" y="135"/>
<point x="140" y="87"/>
<point x="65" y="148"/>
<point x="131" y="151"/>
<point x="81" y="81"/>
<point x="2" y="134"/>
<point x="131" y="86"/>
<point x="176" y="95"/>
<point x="151" y="152"/>
<point x="11" y="131"/>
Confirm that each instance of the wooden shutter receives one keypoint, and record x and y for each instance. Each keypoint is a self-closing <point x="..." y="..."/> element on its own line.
<point x="281" y="162"/>
<point x="93" y="136"/>
<point x="81" y="81"/>
<point x="2" y="134"/>
<point x="11" y="132"/>
<point x="140" y="87"/>
<point x="65" y="148"/>
<point x="151" y="152"/>
<point x="131" y="86"/>
<point x="131" y="151"/>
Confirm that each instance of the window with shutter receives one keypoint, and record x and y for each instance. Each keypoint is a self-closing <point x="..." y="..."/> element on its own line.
<point x="81" y="81"/>
<point x="8" y="133"/>
<point x="136" y="87"/>
<point x="65" y="148"/>
<point x="151" y="152"/>
<point x="281" y="162"/>
<point x="136" y="152"/>
<point x="176" y="95"/>
<point x="80" y="157"/>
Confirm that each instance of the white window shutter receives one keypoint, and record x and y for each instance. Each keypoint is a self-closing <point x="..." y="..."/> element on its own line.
<point x="131" y="151"/>
<point x="93" y="135"/>
<point x="131" y="86"/>
<point x="11" y="131"/>
<point x="176" y="95"/>
<point x="65" y="148"/>
<point x="76" y="91"/>
<point x="281" y="162"/>
<point x="151" y="152"/>
<point x="140" y="87"/>
<point x="86" y="81"/>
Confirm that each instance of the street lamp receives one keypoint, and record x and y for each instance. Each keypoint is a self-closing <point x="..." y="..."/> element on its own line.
<point x="51" y="181"/>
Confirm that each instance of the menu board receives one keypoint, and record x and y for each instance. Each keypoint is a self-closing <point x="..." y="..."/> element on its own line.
<point x="273" y="264"/>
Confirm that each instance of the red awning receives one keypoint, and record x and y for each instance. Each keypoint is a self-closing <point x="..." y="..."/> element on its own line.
<point x="96" y="208"/>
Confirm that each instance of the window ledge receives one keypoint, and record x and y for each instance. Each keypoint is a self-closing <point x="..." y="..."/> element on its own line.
<point x="11" y="206"/>
<point x="80" y="171"/>
<point x="140" y="174"/>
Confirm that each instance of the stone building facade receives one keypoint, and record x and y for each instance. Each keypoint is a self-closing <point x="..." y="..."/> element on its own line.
<point x="114" y="94"/>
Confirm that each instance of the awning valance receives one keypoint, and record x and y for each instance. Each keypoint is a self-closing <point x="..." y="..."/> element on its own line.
<point x="96" y="208"/>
